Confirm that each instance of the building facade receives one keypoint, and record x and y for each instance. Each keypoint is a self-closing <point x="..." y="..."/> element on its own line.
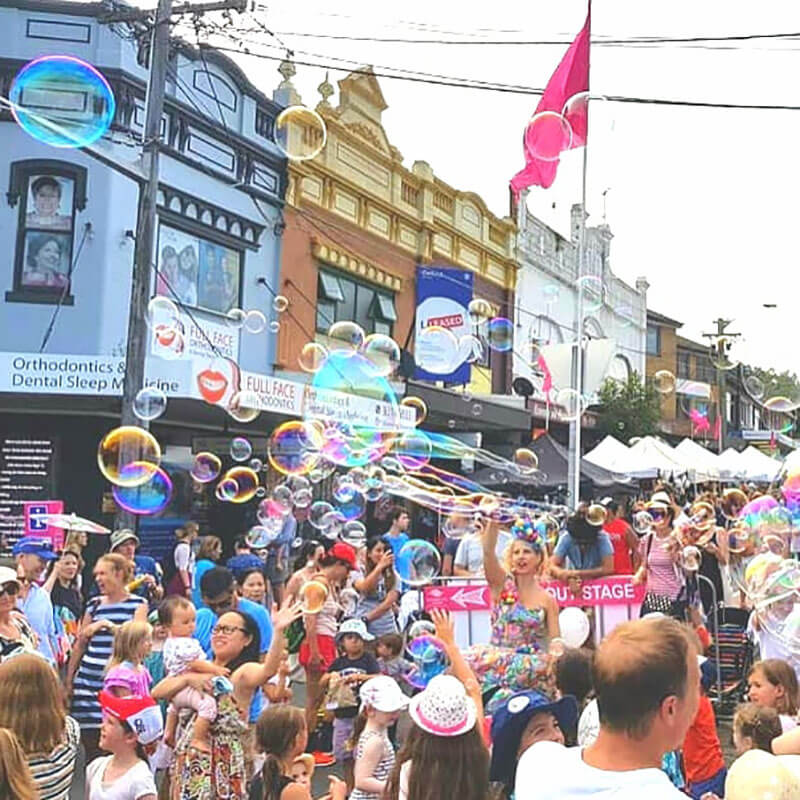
<point x="64" y="318"/>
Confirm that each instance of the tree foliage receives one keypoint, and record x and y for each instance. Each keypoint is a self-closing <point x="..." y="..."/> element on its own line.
<point x="777" y="384"/>
<point x="630" y="408"/>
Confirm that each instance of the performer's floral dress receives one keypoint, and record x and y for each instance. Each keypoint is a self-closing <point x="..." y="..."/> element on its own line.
<point x="220" y="774"/>
<point x="516" y="657"/>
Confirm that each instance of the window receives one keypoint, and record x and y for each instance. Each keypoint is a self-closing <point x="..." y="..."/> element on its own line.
<point x="653" y="340"/>
<point x="340" y="298"/>
<point x="684" y="364"/>
<point x="705" y="369"/>
<point x="49" y="194"/>
<point x="197" y="272"/>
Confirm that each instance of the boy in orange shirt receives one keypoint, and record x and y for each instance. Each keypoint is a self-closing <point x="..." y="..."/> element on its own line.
<point x="702" y="752"/>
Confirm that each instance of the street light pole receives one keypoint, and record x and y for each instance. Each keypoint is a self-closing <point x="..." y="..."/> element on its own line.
<point x="719" y="342"/>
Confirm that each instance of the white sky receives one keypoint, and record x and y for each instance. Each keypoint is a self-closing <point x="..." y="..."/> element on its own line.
<point x="702" y="202"/>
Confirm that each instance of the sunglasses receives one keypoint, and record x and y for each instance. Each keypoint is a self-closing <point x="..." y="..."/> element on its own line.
<point x="11" y="589"/>
<point x="658" y="513"/>
<point x="227" y="630"/>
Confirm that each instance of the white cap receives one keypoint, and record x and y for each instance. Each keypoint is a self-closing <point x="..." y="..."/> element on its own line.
<point x="8" y="575"/>
<point x="383" y="694"/>
<point x="355" y="626"/>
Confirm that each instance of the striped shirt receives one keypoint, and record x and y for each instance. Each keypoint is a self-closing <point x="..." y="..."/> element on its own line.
<point x="382" y="769"/>
<point x="89" y="680"/>
<point x="663" y="576"/>
<point x="53" y="774"/>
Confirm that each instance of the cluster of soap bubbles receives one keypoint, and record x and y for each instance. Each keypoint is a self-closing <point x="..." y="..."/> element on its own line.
<point x="255" y="321"/>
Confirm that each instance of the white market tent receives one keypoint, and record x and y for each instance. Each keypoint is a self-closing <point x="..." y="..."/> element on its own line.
<point x="758" y="466"/>
<point x="652" y="453"/>
<point x="699" y="461"/>
<point x="792" y="461"/>
<point x="613" y="455"/>
<point x="731" y="465"/>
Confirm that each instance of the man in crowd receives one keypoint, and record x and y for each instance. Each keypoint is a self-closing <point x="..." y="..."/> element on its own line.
<point x="147" y="574"/>
<point x="583" y="552"/>
<point x="396" y="536"/>
<point x="32" y="555"/>
<point x="647" y="683"/>
<point x="468" y="561"/>
<point x="243" y="557"/>
<point x="624" y="541"/>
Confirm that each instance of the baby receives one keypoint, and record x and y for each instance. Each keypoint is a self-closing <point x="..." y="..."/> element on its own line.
<point x="389" y="650"/>
<point x="182" y="654"/>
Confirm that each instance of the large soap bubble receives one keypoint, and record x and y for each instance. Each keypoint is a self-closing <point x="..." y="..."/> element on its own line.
<point x="418" y="562"/>
<point x="128" y="456"/>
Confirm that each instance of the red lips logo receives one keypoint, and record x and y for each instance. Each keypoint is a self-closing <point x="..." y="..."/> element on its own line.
<point x="212" y="385"/>
<point x="165" y="335"/>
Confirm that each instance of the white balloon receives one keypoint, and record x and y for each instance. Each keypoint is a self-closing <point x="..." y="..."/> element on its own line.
<point x="574" y="625"/>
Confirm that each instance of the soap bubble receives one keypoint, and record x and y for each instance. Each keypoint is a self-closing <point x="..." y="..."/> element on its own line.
<point x="317" y="513"/>
<point x="413" y="449"/>
<point x="162" y="314"/>
<point x="81" y="119"/>
<point x="354" y="533"/>
<point x="280" y="303"/>
<point x="303" y="498"/>
<point x="571" y="402"/>
<point x="382" y="354"/>
<point x="422" y="627"/>
<point x="419" y="406"/>
<point x="274" y="326"/>
<point x="206" y="467"/>
<point x="283" y="496"/>
<point x="236" y="318"/>
<point x="593" y="293"/>
<point x="500" y="334"/>
<point x="690" y="558"/>
<point x="429" y="658"/>
<point x="642" y="522"/>
<point x="144" y="499"/>
<point x="255" y="464"/>
<point x="313" y="596"/>
<point x="226" y="490"/>
<point x="149" y="403"/>
<point x="436" y="350"/>
<point x="596" y="515"/>
<point x="754" y="386"/>
<point x="418" y="562"/>
<point x="312" y="357"/>
<point x="471" y="349"/>
<point x="255" y="321"/>
<point x="526" y="461"/>
<point x="345" y="338"/>
<point x="244" y="406"/>
<point x="459" y="523"/>
<point x="353" y="508"/>
<point x="332" y="524"/>
<point x="246" y="483"/>
<point x="126" y="446"/>
<point x="240" y="449"/>
<point x="546" y="135"/>
<point x="479" y="310"/>
<point x="295" y="447"/>
<point x="259" y="537"/>
<point x="664" y="381"/>
<point x="300" y="133"/>
<point x="733" y="501"/>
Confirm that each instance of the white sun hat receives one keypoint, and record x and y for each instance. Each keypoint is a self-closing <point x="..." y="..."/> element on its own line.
<point x="443" y="708"/>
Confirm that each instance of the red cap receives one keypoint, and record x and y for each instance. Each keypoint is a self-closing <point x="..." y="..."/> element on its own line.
<point x="141" y="713"/>
<point x="344" y="552"/>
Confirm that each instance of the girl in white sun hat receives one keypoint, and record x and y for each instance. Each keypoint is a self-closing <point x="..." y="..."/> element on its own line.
<point x="445" y="754"/>
<point x="382" y="700"/>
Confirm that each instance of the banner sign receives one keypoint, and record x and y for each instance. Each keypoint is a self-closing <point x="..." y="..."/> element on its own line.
<point x="36" y="526"/>
<point x="443" y="298"/>
<point x="616" y="590"/>
<point x="458" y="597"/>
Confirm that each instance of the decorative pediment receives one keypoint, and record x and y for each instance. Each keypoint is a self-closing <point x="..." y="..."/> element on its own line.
<point x="364" y="131"/>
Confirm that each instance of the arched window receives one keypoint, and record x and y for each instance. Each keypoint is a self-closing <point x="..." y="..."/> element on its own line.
<point x="546" y="330"/>
<point x="619" y="369"/>
<point x="591" y="327"/>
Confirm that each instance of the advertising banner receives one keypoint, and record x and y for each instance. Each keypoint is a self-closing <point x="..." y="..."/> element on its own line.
<point x="443" y="298"/>
<point x="36" y="526"/>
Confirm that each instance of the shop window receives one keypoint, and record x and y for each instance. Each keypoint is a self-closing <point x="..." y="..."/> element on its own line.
<point x="684" y="365"/>
<point x="197" y="272"/>
<point x="340" y="298"/>
<point x="653" y="340"/>
<point x="49" y="195"/>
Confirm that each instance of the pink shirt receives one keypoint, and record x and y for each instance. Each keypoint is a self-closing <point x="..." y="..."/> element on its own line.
<point x="663" y="575"/>
<point x="136" y="680"/>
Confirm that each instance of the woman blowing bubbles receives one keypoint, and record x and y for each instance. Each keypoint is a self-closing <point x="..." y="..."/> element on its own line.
<point x="524" y="616"/>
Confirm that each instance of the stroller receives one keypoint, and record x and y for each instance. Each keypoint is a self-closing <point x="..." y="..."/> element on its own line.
<point x="732" y="649"/>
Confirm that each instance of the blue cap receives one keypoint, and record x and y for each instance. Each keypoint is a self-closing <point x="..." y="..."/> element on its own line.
<point x="30" y="545"/>
<point x="509" y="722"/>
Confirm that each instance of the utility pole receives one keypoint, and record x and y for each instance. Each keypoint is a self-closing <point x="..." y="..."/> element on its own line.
<point x="719" y="344"/>
<point x="146" y="222"/>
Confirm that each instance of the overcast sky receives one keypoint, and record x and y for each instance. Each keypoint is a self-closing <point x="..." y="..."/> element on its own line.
<point x="703" y="202"/>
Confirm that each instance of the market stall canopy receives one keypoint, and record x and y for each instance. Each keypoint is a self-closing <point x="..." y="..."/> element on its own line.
<point x="652" y="453"/>
<point x="759" y="466"/>
<point x="731" y="466"/>
<point x="616" y="457"/>
<point x="701" y="463"/>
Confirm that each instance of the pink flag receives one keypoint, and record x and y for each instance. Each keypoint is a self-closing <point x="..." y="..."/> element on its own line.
<point x="555" y="126"/>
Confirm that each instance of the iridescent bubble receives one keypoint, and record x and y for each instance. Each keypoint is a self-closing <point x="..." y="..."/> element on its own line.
<point x="702" y="516"/>
<point x="571" y="402"/>
<point x="246" y="483"/>
<point x="332" y="524"/>
<point x="62" y="124"/>
<point x="477" y="409"/>
<point x="240" y="449"/>
<point x="451" y="423"/>
<point x="593" y="293"/>
<point x="418" y="562"/>
<point x="413" y="449"/>
<point x="354" y="533"/>
<point x="419" y="406"/>
<point x="436" y="350"/>
<point x="259" y="537"/>
<point x="295" y="447"/>
<point x="162" y="314"/>
<point x="664" y="381"/>
<point x="429" y="658"/>
<point x="303" y="498"/>
<point x="300" y="133"/>
<point x="255" y="321"/>
<point x="720" y="354"/>
<point x="732" y="503"/>
<point x="460" y="523"/>
<point x="471" y="349"/>
<point x="261" y="492"/>
<point x="317" y="513"/>
<point x="546" y="135"/>
<point x="256" y="464"/>
<point x="236" y="318"/>
<point x="280" y="303"/>
<point x="226" y="490"/>
<point x="268" y="510"/>
<point x="126" y="446"/>
<point x="312" y="357"/>
<point x="353" y="508"/>
<point x="526" y="461"/>
<point x="144" y="499"/>
<point x="284" y="497"/>
<point x="642" y="522"/>
<point x="313" y="596"/>
<point x="244" y="406"/>
<point x="382" y="354"/>
<point x="206" y="467"/>
<point x="500" y="334"/>
<point x="479" y="311"/>
<point x="343" y="488"/>
<point x="576" y="113"/>
<point x="274" y="326"/>
<point x="596" y="515"/>
<point x="297" y="483"/>
<point x="149" y="403"/>
<point x="345" y="337"/>
<point x="754" y="386"/>
<point x="373" y="489"/>
<point x="422" y="627"/>
<point x="782" y="404"/>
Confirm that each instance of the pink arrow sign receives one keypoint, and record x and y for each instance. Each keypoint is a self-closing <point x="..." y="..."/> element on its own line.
<point x="457" y="598"/>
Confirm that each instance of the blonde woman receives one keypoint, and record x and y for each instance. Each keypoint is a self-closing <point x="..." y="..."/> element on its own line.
<point x="92" y="649"/>
<point x="524" y="616"/>
<point x="32" y="706"/>
<point x="16" y="782"/>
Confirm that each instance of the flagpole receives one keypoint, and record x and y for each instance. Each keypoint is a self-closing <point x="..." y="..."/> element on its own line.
<point x="574" y="465"/>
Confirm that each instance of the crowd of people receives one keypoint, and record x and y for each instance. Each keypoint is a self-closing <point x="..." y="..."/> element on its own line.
<point x="174" y="679"/>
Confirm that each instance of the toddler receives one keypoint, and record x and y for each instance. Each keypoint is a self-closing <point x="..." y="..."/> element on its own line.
<point x="182" y="654"/>
<point x="302" y="769"/>
<point x="126" y="673"/>
<point x="389" y="650"/>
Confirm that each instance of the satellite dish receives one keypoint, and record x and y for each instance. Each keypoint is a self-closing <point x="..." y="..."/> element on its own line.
<point x="522" y="386"/>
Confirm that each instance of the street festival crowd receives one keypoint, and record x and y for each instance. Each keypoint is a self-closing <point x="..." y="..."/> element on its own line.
<point x="175" y="678"/>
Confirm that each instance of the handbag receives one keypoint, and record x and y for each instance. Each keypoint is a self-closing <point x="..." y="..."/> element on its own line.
<point x="662" y="604"/>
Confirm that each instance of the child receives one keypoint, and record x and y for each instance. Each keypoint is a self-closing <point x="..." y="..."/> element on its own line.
<point x="126" y="673"/>
<point x="128" y="724"/>
<point x="16" y="781"/>
<point x="282" y="736"/>
<point x="277" y="689"/>
<point x="389" y="649"/>
<point x="754" y="728"/>
<point x="773" y="683"/>
<point x="302" y="770"/>
<point x="574" y="677"/>
<point x="354" y="667"/>
<point x="381" y="703"/>
<point x="702" y="752"/>
<point x="183" y="654"/>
